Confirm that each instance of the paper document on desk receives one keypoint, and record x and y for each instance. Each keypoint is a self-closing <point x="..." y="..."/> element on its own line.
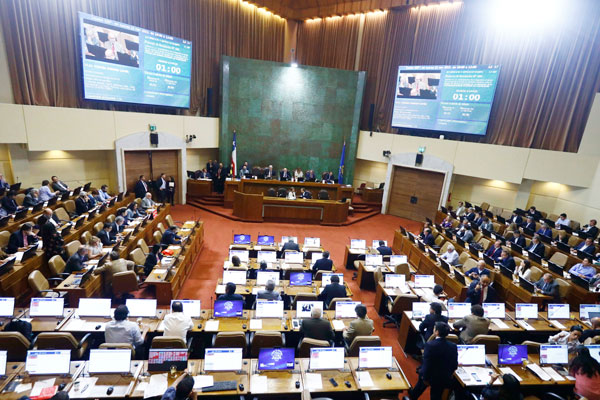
<point x="558" y="324"/>
<point x="211" y="325"/>
<point x="255" y="324"/>
<point x="525" y="325"/>
<point x="159" y="271"/>
<point x="553" y="374"/>
<point x="509" y="371"/>
<point x="364" y="378"/>
<point x="157" y="386"/>
<point x="41" y="385"/>
<point x="478" y="374"/>
<point x="499" y="323"/>
<point x="536" y="369"/>
<point x="338" y="324"/>
<point x="259" y="384"/>
<point x="23" y="387"/>
<point x="202" y="381"/>
<point x="313" y="381"/>
<point x="19" y="256"/>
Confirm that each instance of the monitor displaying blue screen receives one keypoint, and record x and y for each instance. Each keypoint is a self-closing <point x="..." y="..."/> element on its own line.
<point x="241" y="239"/>
<point x="447" y="98"/>
<point x="300" y="279"/>
<point x="276" y="359"/>
<point x="125" y="63"/>
<point x="264" y="240"/>
<point x="228" y="308"/>
<point x="512" y="354"/>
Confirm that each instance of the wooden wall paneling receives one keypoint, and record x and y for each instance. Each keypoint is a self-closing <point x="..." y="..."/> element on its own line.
<point x="426" y="185"/>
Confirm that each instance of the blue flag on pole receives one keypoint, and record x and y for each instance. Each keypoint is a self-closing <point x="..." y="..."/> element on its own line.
<point x="341" y="171"/>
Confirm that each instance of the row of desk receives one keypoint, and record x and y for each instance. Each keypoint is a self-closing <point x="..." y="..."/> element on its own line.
<point x="141" y="383"/>
<point x="14" y="283"/>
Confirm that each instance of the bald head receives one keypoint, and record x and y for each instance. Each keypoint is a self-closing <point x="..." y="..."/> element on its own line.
<point x="316" y="312"/>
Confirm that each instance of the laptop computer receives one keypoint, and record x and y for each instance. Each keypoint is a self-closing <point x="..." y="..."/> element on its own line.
<point x="163" y="359"/>
<point x="557" y="269"/>
<point x="534" y="257"/>
<point x="579" y="281"/>
<point x="507" y="272"/>
<point x="241" y="239"/>
<point x="265" y="240"/>
<point x="19" y="215"/>
<point x="527" y="285"/>
<point x="515" y="247"/>
<point x="445" y="266"/>
<point x="459" y="277"/>
<point x="48" y="362"/>
<point x="15" y="187"/>
<point x="7" y="265"/>
<point x="109" y="361"/>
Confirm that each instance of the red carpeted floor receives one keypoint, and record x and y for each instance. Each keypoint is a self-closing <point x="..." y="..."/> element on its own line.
<point x="218" y="233"/>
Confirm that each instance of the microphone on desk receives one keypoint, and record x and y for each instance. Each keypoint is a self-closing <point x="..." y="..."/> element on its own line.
<point x="212" y="305"/>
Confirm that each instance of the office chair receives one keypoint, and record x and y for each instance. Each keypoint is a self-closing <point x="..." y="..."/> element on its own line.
<point x="491" y="342"/>
<point x="119" y="346"/>
<point x="308" y="343"/>
<point x="41" y="286"/>
<point x="141" y="244"/>
<point x="63" y="341"/>
<point x="304" y="297"/>
<point x="396" y="307"/>
<point x="160" y="227"/>
<point x="362" y="341"/>
<point x="170" y="342"/>
<point x="72" y="247"/>
<point x="85" y="237"/>
<point x="335" y="300"/>
<point x="123" y="283"/>
<point x="4" y="237"/>
<point x="323" y="195"/>
<point x="267" y="339"/>
<point x="15" y="344"/>
<point x="57" y="265"/>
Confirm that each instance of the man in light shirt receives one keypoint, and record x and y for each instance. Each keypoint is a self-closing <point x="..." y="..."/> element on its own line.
<point x="46" y="192"/>
<point x="120" y="330"/>
<point x="563" y="220"/>
<point x="584" y="269"/>
<point x="451" y="255"/>
<point x="177" y="323"/>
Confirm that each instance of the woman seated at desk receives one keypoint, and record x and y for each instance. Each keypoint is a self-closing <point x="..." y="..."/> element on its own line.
<point x="291" y="195"/>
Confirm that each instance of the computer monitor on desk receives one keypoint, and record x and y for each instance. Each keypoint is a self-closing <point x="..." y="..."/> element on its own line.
<point x="228" y="308"/>
<point x="494" y="310"/>
<point x="262" y="277"/>
<point x="460" y="277"/>
<point x="326" y="278"/>
<point x="585" y="309"/>
<point x="424" y="281"/>
<point x="265" y="240"/>
<point x="3" y="359"/>
<point x="94" y="308"/>
<point x="109" y="361"/>
<point x="46" y="307"/>
<point x="300" y="279"/>
<point x="276" y="359"/>
<point x="373" y="259"/>
<point x="557" y="269"/>
<point x="242" y="239"/>
<point x="294" y="257"/>
<point x="191" y="308"/>
<point x="375" y="357"/>
<point x="269" y="309"/>
<point x="554" y="354"/>
<point x="243" y="255"/>
<point x="512" y="354"/>
<point x="471" y="354"/>
<point x="312" y="242"/>
<point x="345" y="309"/>
<point x="559" y="311"/>
<point x="141" y="307"/>
<point x="420" y="309"/>
<point x="304" y="308"/>
<point x="375" y="243"/>
<point x="223" y="360"/>
<point x="285" y="239"/>
<point x="594" y="351"/>
<point x="394" y="281"/>
<point x="526" y="310"/>
<point x="525" y="284"/>
<point x="266" y="256"/>
<point x="164" y="359"/>
<point x="48" y="362"/>
<point x="7" y="306"/>
<point x="579" y="281"/>
<point x="358" y="244"/>
<point x="237" y="277"/>
<point x="458" y="310"/>
<point x="315" y="256"/>
<point x="397" y="259"/>
<point x="325" y="358"/>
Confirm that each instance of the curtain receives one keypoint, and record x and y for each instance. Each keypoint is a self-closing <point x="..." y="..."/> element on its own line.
<point x="329" y="42"/>
<point x="42" y="43"/>
<point x="548" y="78"/>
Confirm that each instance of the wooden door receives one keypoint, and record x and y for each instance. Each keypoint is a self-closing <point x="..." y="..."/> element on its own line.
<point x="410" y="183"/>
<point x="136" y="163"/>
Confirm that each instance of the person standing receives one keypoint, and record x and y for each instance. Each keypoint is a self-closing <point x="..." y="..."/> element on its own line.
<point x="171" y="190"/>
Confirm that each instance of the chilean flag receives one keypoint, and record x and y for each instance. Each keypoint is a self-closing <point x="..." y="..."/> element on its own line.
<point x="234" y="155"/>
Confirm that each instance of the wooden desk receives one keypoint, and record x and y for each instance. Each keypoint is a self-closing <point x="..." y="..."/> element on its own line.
<point x="242" y="377"/>
<point x="262" y="186"/>
<point x="12" y="370"/>
<point x="540" y="324"/>
<point x="259" y="208"/>
<point x="92" y="288"/>
<point x="232" y="324"/>
<point x="282" y="383"/>
<point x="144" y="377"/>
<point x="76" y="368"/>
<point x="123" y="385"/>
<point x="370" y="195"/>
<point x="48" y="324"/>
<point x="199" y="187"/>
<point x="366" y="275"/>
<point x="78" y="324"/>
<point x="327" y="387"/>
<point x="272" y="324"/>
<point x="381" y="384"/>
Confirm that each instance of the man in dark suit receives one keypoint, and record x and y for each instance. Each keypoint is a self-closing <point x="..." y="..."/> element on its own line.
<point x="324" y="264"/>
<point x="161" y="186"/>
<point x="9" y="203"/>
<point x="219" y="180"/>
<point x="104" y="235"/>
<point x="507" y="260"/>
<point x="545" y="230"/>
<point x="529" y="224"/>
<point x="117" y="227"/>
<point x="59" y="185"/>
<point x="290" y="245"/>
<point x="305" y="194"/>
<point x="21" y="239"/>
<point x="75" y="263"/>
<point x="515" y="219"/>
<point x="428" y="238"/>
<point x="590" y="333"/>
<point x="333" y="290"/>
<point x="440" y="360"/>
<point x="269" y="173"/>
<point x="284" y="175"/>
<point x="495" y="251"/>
<point x="141" y="187"/>
<point x="518" y="239"/>
<point x="478" y="271"/>
<point x="428" y="323"/>
<point x="384" y="250"/>
<point x="316" y="327"/>
<point x="230" y="294"/>
<point x="470" y="215"/>
<point x="587" y="246"/>
<point x="548" y="286"/>
<point x="590" y="230"/>
<point x="533" y="212"/>
<point x="536" y="246"/>
<point x="480" y="291"/>
<point x="82" y="204"/>
<point x="170" y="236"/>
<point x="309" y="176"/>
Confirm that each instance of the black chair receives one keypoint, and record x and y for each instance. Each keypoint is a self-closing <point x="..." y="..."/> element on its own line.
<point x="271" y="192"/>
<point x="282" y="192"/>
<point x="323" y="195"/>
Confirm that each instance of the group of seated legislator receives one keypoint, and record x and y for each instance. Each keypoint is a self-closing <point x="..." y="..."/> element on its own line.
<point x="214" y="169"/>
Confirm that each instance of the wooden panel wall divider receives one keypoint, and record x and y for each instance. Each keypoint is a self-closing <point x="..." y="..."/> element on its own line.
<point x="152" y="163"/>
<point x="424" y="185"/>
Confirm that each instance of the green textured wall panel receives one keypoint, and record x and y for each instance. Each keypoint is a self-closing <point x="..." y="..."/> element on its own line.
<point x="290" y="117"/>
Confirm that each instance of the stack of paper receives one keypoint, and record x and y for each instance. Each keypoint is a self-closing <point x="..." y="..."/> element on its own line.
<point x="211" y="325"/>
<point x="509" y="371"/>
<point x="558" y="324"/>
<point x="338" y="324"/>
<point x="536" y="369"/>
<point x="157" y="386"/>
<point x="525" y="325"/>
<point x="499" y="323"/>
